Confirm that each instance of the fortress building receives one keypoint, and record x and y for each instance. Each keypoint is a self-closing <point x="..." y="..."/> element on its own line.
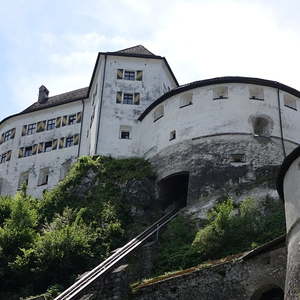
<point x="215" y="137"/>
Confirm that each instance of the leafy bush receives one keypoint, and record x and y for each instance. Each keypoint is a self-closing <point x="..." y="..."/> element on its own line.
<point x="47" y="243"/>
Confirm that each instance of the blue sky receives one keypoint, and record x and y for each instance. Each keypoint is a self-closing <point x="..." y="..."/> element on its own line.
<point x="55" y="42"/>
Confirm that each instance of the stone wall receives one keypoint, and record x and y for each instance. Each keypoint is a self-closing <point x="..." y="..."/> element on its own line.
<point x="215" y="173"/>
<point x="243" y="279"/>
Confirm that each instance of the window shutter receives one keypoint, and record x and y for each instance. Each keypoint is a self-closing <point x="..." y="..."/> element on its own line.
<point x="54" y="144"/>
<point x="61" y="143"/>
<point x="24" y="130"/>
<point x="120" y="74"/>
<point x="139" y="75"/>
<point x="21" y="152"/>
<point x="13" y="133"/>
<point x="76" y="139"/>
<point x="58" y="122"/>
<point x="41" y="126"/>
<point x="136" y="100"/>
<point x="119" y="97"/>
<point x="34" y="149"/>
<point x="2" y="138"/>
<point x="8" y="155"/>
<point x="41" y="147"/>
<point x="78" y="117"/>
<point x="64" y="121"/>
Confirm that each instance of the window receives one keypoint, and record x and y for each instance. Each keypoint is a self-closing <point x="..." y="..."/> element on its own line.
<point x="127" y="98"/>
<point x="69" y="141"/>
<point x="3" y="158"/>
<point x="48" y="146"/>
<point x="65" y="167"/>
<point x="158" y="113"/>
<point x="31" y="128"/>
<point x="51" y="124"/>
<point x="238" y="157"/>
<point x="43" y="176"/>
<point x="125" y="132"/>
<point x="28" y="151"/>
<point x="23" y="179"/>
<point x="72" y="119"/>
<point x="220" y="92"/>
<point x="7" y="135"/>
<point x="186" y="99"/>
<point x="129" y="75"/>
<point x="290" y="101"/>
<point x="256" y="93"/>
<point x="172" y="135"/>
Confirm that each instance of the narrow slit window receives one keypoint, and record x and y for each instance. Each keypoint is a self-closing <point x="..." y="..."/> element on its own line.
<point x="158" y="113"/>
<point x="172" y="135"/>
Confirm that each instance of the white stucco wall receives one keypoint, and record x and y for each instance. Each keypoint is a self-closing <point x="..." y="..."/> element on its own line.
<point x="208" y="117"/>
<point x="113" y="115"/>
<point x="10" y="171"/>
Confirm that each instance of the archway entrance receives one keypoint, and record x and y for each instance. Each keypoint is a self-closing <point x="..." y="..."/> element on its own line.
<point x="270" y="292"/>
<point x="173" y="189"/>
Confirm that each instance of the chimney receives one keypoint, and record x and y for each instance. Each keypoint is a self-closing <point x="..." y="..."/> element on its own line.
<point x="43" y="94"/>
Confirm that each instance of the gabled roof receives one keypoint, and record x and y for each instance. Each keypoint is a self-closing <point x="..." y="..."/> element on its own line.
<point x="60" y="99"/>
<point x="135" y="51"/>
<point x="139" y="49"/>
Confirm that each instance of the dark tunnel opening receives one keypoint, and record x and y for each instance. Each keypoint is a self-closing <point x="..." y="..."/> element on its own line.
<point x="173" y="190"/>
<point x="273" y="294"/>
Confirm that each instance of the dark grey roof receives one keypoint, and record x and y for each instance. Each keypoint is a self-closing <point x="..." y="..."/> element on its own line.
<point x="54" y="101"/>
<point x="139" y="49"/>
<point x="136" y="51"/>
<point x="220" y="80"/>
<point x="59" y="99"/>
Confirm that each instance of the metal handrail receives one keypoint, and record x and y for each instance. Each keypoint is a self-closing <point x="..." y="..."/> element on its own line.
<point x="107" y="264"/>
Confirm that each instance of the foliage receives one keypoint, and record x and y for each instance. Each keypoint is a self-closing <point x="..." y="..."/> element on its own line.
<point x="230" y="229"/>
<point x="45" y="244"/>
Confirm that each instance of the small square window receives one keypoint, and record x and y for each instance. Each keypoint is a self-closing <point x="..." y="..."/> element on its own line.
<point x="48" y="146"/>
<point x="51" y="124"/>
<point x="172" y="135"/>
<point x="43" y="176"/>
<point x="69" y="141"/>
<point x="186" y="99"/>
<point x="129" y="75"/>
<point x="220" y="92"/>
<point x="28" y="151"/>
<point x="31" y="128"/>
<point x="290" y="101"/>
<point x="125" y="132"/>
<point x="127" y="98"/>
<point x="256" y="93"/>
<point x="125" y="135"/>
<point x="72" y="119"/>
